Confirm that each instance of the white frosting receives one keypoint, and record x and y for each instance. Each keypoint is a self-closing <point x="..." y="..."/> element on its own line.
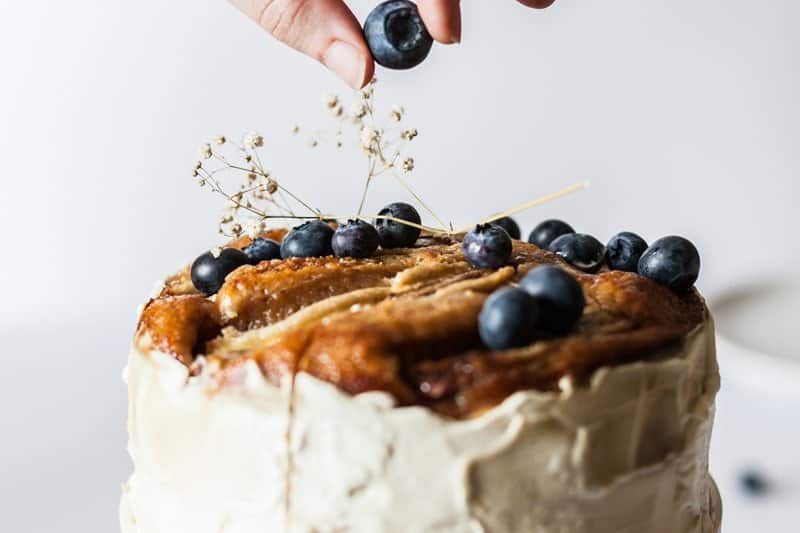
<point x="627" y="453"/>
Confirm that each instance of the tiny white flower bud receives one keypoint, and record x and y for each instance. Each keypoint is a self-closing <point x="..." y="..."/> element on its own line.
<point x="358" y="110"/>
<point x="409" y="134"/>
<point x="253" y="140"/>
<point x="330" y="100"/>
<point x="397" y="113"/>
<point x="205" y="151"/>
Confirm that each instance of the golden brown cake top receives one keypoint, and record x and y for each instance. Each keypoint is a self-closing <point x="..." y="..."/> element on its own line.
<point x="405" y="322"/>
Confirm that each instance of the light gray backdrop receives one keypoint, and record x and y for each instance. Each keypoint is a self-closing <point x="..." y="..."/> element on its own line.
<point x="684" y="115"/>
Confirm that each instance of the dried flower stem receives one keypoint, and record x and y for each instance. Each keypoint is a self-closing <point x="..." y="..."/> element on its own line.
<point x="533" y="203"/>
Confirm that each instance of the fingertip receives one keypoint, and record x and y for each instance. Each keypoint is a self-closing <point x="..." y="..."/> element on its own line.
<point x="351" y="63"/>
<point x="369" y="74"/>
<point x="537" y="4"/>
<point x="442" y="19"/>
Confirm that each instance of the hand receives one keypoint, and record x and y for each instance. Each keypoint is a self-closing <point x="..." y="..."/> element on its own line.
<point x="328" y="31"/>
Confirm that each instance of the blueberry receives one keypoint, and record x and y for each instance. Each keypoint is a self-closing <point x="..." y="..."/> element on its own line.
<point x="262" y="250"/>
<point x="672" y="261"/>
<point x="559" y="296"/>
<point x="508" y="319"/>
<point x="546" y="232"/>
<point x="510" y="225"/>
<point x="579" y="250"/>
<point x="209" y="272"/>
<point x="396" y="35"/>
<point x="753" y="482"/>
<point x="396" y="234"/>
<point x="310" y="239"/>
<point x="624" y="250"/>
<point x="355" y="239"/>
<point x="487" y="246"/>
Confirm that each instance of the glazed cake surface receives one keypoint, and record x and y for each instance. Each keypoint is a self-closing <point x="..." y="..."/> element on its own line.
<point x="334" y="394"/>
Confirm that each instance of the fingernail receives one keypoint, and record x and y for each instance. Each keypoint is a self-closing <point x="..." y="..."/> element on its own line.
<point x="347" y="61"/>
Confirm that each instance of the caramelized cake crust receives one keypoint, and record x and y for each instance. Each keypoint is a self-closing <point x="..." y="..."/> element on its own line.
<point x="405" y="322"/>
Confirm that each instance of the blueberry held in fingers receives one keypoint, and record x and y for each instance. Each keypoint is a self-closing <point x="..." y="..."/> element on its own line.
<point x="487" y="246"/>
<point x="310" y="239"/>
<point x="624" y="250"/>
<point x="580" y="250"/>
<point x="510" y="225"/>
<point x="356" y="238"/>
<point x="547" y="231"/>
<point x="396" y="35"/>
<point x="672" y="261"/>
<point x="209" y="271"/>
<point x="507" y="319"/>
<point x="262" y="250"/>
<point x="394" y="234"/>
<point x="559" y="296"/>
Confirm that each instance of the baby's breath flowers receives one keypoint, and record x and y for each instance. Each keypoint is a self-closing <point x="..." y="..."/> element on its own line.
<point x="260" y="197"/>
<point x="385" y="146"/>
<point x="257" y="198"/>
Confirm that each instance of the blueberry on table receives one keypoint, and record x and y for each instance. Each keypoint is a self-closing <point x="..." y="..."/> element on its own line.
<point x="487" y="246"/>
<point x="310" y="239"/>
<point x="672" y="261"/>
<point x="753" y="482"/>
<point x="356" y="238"/>
<point x="579" y="250"/>
<point x="209" y="270"/>
<point x="395" y="234"/>
<point x="507" y="319"/>
<point x="546" y="232"/>
<point x="558" y="295"/>
<point x="262" y="250"/>
<point x="624" y="250"/>
<point x="396" y="35"/>
<point x="510" y="225"/>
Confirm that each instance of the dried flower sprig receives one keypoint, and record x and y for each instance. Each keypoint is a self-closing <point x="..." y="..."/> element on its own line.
<point x="261" y="197"/>
<point x="384" y="145"/>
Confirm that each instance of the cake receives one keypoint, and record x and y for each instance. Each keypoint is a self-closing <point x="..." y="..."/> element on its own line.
<point x="327" y="394"/>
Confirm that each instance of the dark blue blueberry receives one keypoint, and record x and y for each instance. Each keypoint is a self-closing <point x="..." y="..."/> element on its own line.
<point x="510" y="225"/>
<point x="396" y="35"/>
<point x="579" y="250"/>
<point x="310" y="239"/>
<point x="546" y="232"/>
<point x="672" y="261"/>
<point x="262" y="250"/>
<point x="355" y="239"/>
<point x="396" y="234"/>
<point x="508" y="319"/>
<point x="624" y="250"/>
<point x="487" y="246"/>
<point x="209" y="272"/>
<point x="559" y="296"/>
<point x="753" y="482"/>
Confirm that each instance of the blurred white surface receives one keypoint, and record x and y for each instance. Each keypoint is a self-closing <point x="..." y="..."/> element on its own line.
<point x="684" y="115"/>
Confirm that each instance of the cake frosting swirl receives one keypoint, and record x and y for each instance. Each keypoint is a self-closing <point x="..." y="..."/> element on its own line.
<point x="353" y="395"/>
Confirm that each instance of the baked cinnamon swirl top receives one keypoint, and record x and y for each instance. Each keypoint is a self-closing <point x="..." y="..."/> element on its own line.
<point x="404" y="321"/>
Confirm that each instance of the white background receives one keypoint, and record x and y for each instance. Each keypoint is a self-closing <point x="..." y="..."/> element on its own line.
<point x="684" y="115"/>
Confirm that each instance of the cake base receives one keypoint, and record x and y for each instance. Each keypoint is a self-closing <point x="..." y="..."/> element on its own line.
<point x="625" y="453"/>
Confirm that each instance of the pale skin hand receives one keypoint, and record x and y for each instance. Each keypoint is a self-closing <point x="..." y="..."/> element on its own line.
<point x="329" y="32"/>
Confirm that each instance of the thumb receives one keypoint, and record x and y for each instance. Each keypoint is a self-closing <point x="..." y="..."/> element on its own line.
<point x="323" y="29"/>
